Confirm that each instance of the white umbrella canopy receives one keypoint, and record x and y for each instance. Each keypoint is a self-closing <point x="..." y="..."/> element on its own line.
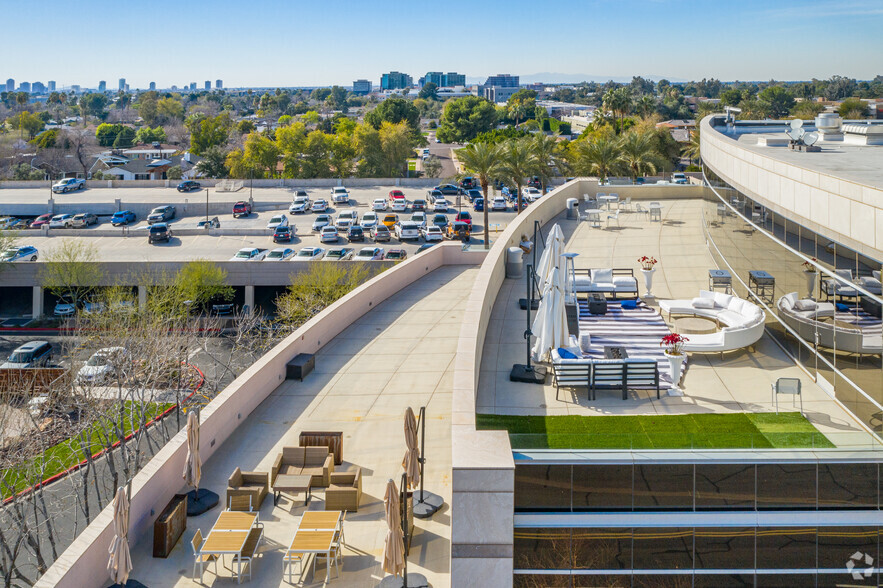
<point x="119" y="564"/>
<point x="551" y="257"/>
<point x="550" y="324"/>
<point x="411" y="461"/>
<point x="394" y="546"/>
<point x="193" y="465"/>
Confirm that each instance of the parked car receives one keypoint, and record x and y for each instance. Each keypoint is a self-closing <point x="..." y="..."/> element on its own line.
<point x="439" y="220"/>
<point x="433" y="233"/>
<point x="161" y="214"/>
<point x="29" y="355"/>
<point x="83" y="220"/>
<point x="340" y="195"/>
<point x="426" y="246"/>
<point x="396" y="255"/>
<point x="535" y="182"/>
<point x="379" y="205"/>
<point x="419" y="218"/>
<point x="468" y="183"/>
<point x="93" y="307"/>
<point x="311" y="253"/>
<point x="531" y="194"/>
<point x="64" y="307"/>
<point x="449" y="189"/>
<point x="339" y="254"/>
<point x="355" y="233"/>
<point x="299" y="194"/>
<point x="277" y="220"/>
<point x="458" y="230"/>
<point x="346" y="219"/>
<point x="61" y="221"/>
<point x="210" y="223"/>
<point x="241" y="208"/>
<point x="369" y="219"/>
<point x="370" y="254"/>
<point x="478" y="205"/>
<point x="329" y="234"/>
<point x="323" y="220"/>
<point x="499" y="203"/>
<point x="24" y="253"/>
<point x="68" y="185"/>
<point x="282" y="234"/>
<point x="396" y="195"/>
<point x="300" y="205"/>
<point x="679" y="178"/>
<point x="41" y="220"/>
<point x="399" y="205"/>
<point x="439" y="204"/>
<point x="159" y="232"/>
<point x="381" y="233"/>
<point x="279" y="254"/>
<point x="223" y="309"/>
<point x="8" y="223"/>
<point x="471" y="195"/>
<point x="407" y="230"/>
<point x="189" y="186"/>
<point x="319" y="205"/>
<point x="390" y="220"/>
<point x="102" y="366"/>
<point x="464" y="216"/>
<point x="122" y="217"/>
<point x="418" y="204"/>
<point x="249" y="254"/>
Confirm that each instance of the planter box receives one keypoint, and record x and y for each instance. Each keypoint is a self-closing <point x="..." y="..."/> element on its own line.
<point x="169" y="526"/>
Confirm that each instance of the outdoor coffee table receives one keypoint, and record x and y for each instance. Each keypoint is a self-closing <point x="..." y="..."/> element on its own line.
<point x="615" y="352"/>
<point x="718" y="278"/>
<point x="763" y="284"/>
<point x="289" y="483"/>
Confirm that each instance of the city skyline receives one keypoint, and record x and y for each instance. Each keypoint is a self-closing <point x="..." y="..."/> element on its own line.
<point x="809" y="39"/>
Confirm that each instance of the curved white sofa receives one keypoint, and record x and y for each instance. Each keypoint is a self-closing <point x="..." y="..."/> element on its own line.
<point x="809" y="328"/>
<point x="743" y="321"/>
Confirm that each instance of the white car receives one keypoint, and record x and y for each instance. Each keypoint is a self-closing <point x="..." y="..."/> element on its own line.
<point x="329" y="234"/>
<point x="346" y="219"/>
<point x="278" y="220"/>
<point x="300" y="205"/>
<point x="433" y="233"/>
<point x="339" y="254"/>
<point x="323" y="220"/>
<point x="499" y="203"/>
<point x="249" y="254"/>
<point x="26" y="253"/>
<point x="407" y="230"/>
<point x="68" y="185"/>
<point x="399" y="205"/>
<point x="440" y="205"/>
<point x="61" y="221"/>
<point x="319" y="205"/>
<point x="101" y="366"/>
<point x="531" y="194"/>
<point x="63" y="308"/>
<point x="419" y="218"/>
<point x="311" y="253"/>
<point x="369" y="220"/>
<point x="379" y="205"/>
<point x="279" y="254"/>
<point x="340" y="195"/>
<point x="370" y="254"/>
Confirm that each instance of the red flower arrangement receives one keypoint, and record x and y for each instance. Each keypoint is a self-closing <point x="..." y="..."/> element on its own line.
<point x="809" y="267"/>
<point x="647" y="263"/>
<point x="674" y="344"/>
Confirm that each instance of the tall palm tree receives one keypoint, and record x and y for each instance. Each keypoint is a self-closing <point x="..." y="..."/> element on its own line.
<point x="691" y="149"/>
<point x="619" y="102"/>
<point x="484" y="161"/>
<point x="601" y="157"/>
<point x="645" y="106"/>
<point x="549" y="157"/>
<point x="519" y="161"/>
<point x="639" y="154"/>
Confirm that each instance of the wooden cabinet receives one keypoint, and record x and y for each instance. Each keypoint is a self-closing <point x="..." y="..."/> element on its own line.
<point x="169" y="526"/>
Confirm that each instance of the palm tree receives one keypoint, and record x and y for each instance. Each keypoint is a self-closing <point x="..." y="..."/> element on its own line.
<point x="519" y="161"/>
<point x="548" y="154"/>
<point x="484" y="161"/>
<point x="639" y="154"/>
<point x="691" y="149"/>
<point x="646" y="106"/>
<point x="600" y="157"/>
<point x="619" y="102"/>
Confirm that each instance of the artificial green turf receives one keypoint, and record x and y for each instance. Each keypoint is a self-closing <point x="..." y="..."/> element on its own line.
<point x="697" y="431"/>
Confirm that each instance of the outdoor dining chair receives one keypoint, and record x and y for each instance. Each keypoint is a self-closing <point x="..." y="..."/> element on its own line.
<point x="614" y="216"/>
<point x="790" y="386"/>
<point x="198" y="558"/>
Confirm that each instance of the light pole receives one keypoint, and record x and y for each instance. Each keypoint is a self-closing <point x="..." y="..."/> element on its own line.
<point x="206" y="206"/>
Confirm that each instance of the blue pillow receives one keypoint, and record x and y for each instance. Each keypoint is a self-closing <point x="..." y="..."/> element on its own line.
<point x="843" y="307"/>
<point x="565" y="354"/>
<point x="630" y="304"/>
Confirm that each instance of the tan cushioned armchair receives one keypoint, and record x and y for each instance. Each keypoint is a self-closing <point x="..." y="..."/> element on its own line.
<point x="317" y="462"/>
<point x="254" y="484"/>
<point x="345" y="491"/>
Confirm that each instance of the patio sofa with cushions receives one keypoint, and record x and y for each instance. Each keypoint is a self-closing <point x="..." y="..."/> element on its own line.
<point x="742" y="321"/>
<point x="317" y="462"/>
<point x="851" y="340"/>
<point x="345" y="491"/>
<point x="595" y="374"/>
<point x="615" y="281"/>
<point x="255" y="485"/>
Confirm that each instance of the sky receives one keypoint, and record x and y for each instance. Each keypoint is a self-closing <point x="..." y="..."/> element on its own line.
<point x="296" y="43"/>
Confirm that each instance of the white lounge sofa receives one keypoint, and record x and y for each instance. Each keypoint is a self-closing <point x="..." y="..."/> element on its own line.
<point x="615" y="281"/>
<point x="742" y="321"/>
<point x="809" y="328"/>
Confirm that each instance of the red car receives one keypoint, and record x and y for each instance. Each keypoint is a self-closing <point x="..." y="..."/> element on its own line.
<point x="393" y="194"/>
<point x="464" y="217"/>
<point x="41" y="220"/>
<point x="241" y="209"/>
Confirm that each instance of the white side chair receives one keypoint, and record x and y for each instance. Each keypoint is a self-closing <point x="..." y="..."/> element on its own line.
<point x="789" y="386"/>
<point x="626" y="204"/>
<point x="614" y="216"/>
<point x="641" y="210"/>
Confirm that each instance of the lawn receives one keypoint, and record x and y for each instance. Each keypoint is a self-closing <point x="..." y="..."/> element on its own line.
<point x="699" y="431"/>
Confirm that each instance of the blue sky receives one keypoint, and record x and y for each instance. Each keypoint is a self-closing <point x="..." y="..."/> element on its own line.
<point x="288" y="43"/>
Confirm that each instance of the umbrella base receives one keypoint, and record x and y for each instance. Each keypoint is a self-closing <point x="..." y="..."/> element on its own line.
<point x="129" y="584"/>
<point x="426" y="504"/>
<point x="528" y="374"/>
<point x="534" y="304"/>
<point x="200" y="501"/>
<point x="414" y="581"/>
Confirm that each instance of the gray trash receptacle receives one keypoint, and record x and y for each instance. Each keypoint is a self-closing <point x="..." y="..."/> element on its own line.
<point x="514" y="262"/>
<point x="572" y="203"/>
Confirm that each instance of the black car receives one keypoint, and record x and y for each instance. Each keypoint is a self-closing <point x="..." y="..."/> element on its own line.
<point x="355" y="233"/>
<point x="468" y="183"/>
<point x="473" y="194"/>
<point x="535" y="182"/>
<point x="440" y="221"/>
<point x="189" y="186"/>
<point x="159" y="232"/>
<point x="282" y="234"/>
<point x="449" y="189"/>
<point x="418" y="204"/>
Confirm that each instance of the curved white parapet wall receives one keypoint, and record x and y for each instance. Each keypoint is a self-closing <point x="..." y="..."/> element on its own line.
<point x="844" y="210"/>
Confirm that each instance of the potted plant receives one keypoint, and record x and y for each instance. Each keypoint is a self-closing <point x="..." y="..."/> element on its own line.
<point x="674" y="352"/>
<point x="811" y="272"/>
<point x="647" y="269"/>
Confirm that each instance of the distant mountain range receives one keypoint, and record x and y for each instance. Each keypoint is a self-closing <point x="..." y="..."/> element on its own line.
<point x="565" y="78"/>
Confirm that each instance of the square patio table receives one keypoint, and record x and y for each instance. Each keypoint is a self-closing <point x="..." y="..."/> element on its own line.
<point x="763" y="284"/>
<point x="718" y="278"/>
<point x="235" y="521"/>
<point x="320" y="520"/>
<point x="292" y="483"/>
<point x="306" y="541"/>
<point x="220" y="543"/>
<point x="594" y="215"/>
<point x="608" y="199"/>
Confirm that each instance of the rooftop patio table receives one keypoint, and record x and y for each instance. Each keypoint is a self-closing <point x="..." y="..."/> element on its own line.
<point x="608" y="199"/>
<point x="320" y="520"/>
<point x="594" y="215"/>
<point x="235" y="521"/>
<point x="220" y="543"/>
<point x="655" y="210"/>
<point x="306" y="541"/>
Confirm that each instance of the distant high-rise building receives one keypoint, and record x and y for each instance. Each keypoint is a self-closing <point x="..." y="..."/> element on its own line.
<point x="502" y="81"/>
<point x="10" y="85"/>
<point x="38" y="88"/>
<point x="75" y="89"/>
<point x="432" y="77"/>
<point x="208" y="85"/>
<point x="51" y="85"/>
<point x="444" y="80"/>
<point x="153" y="85"/>
<point x="126" y="88"/>
<point x="122" y="84"/>
<point x="362" y="87"/>
<point x="102" y="86"/>
<point x="25" y="87"/>
<point x="395" y="80"/>
<point x="192" y="86"/>
<point x="219" y="84"/>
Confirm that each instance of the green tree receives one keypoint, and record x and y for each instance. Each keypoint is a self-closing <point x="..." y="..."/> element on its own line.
<point x="169" y="110"/>
<point x="639" y="154"/>
<point x="106" y="133"/>
<point x="464" y="118"/>
<point x="518" y="161"/>
<point x="853" y="108"/>
<point x="397" y="144"/>
<point x="484" y="161"/>
<point x="201" y="283"/>
<point x="429" y="91"/>
<point x="807" y="110"/>
<point x="24" y="171"/>
<point x="175" y="173"/>
<point x="146" y="135"/>
<point x="315" y="162"/>
<point x="619" y="102"/>
<point x="432" y="167"/>
<point x="262" y="154"/>
<point x="147" y="107"/>
<point x="46" y="139"/>
<point x="290" y="141"/>
<point x="208" y="131"/>
<point x="693" y="148"/>
<point x="313" y="290"/>
<point x="212" y="163"/>
<point x="25" y="122"/>
<point x="342" y="155"/>
<point x="395" y="110"/>
<point x="125" y="138"/>
<point x="549" y="157"/>
<point x="71" y="269"/>
<point x="92" y="104"/>
<point x="600" y="156"/>
<point x="778" y="101"/>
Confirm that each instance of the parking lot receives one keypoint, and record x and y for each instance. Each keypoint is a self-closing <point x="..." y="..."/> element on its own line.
<point x="134" y="247"/>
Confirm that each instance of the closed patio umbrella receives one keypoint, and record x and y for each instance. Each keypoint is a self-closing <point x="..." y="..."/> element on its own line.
<point x="411" y="461"/>
<point x="119" y="564"/>
<point x="551" y="257"/>
<point x="198" y="500"/>
<point x="394" y="546"/>
<point x="550" y="324"/>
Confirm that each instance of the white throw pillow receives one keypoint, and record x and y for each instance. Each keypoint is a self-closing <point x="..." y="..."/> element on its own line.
<point x="706" y="294"/>
<point x="869" y="283"/>
<point x="602" y="276"/>
<point x="735" y="305"/>
<point x="585" y="342"/>
<point x="701" y="302"/>
<point x="803" y="305"/>
<point x="788" y="300"/>
<point x="722" y="300"/>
